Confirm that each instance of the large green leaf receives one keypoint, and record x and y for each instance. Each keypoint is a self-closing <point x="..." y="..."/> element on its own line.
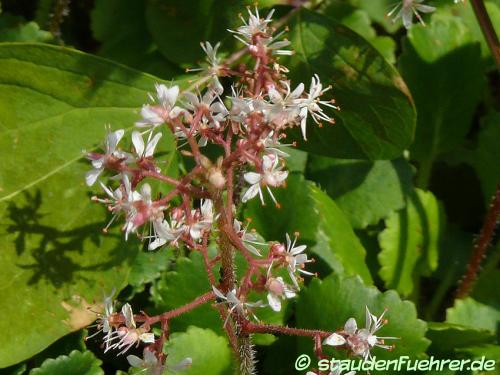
<point x="447" y="337"/>
<point x="321" y="224"/>
<point x="359" y="21"/>
<point x="76" y="363"/>
<point x="183" y="284"/>
<point x="54" y="103"/>
<point x="366" y="191"/>
<point x="327" y="304"/>
<point x="412" y="235"/>
<point x="120" y="26"/>
<point x="179" y="26"/>
<point x="377" y="119"/>
<point x="210" y="353"/>
<point x="471" y="313"/>
<point x="433" y="57"/>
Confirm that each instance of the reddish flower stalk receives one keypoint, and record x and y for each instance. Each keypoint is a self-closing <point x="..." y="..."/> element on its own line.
<point x="480" y="247"/>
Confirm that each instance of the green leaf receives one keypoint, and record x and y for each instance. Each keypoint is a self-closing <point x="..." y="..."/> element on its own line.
<point x="120" y="26"/>
<point x="179" y="23"/>
<point x="321" y="224"/>
<point x="327" y="304"/>
<point x="412" y="235"/>
<point x="471" y="313"/>
<point x="447" y="337"/>
<point x="210" y="353"/>
<point x="365" y="191"/>
<point x="187" y="281"/>
<point x="377" y="119"/>
<point x="466" y="13"/>
<point x="433" y="57"/>
<point x="487" y="154"/>
<point x="76" y="363"/>
<point x="359" y="21"/>
<point x="54" y="103"/>
<point x="149" y="266"/>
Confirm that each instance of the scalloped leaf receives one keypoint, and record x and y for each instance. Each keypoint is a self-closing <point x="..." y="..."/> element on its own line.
<point x="471" y="313"/>
<point x="76" y="363"/>
<point x="210" y="353"/>
<point x="327" y="304"/>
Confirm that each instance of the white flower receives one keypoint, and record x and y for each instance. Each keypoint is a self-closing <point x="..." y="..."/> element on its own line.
<point x="407" y="8"/>
<point x="248" y="239"/>
<point x="129" y="334"/>
<point x="273" y="146"/>
<point x="152" y="366"/>
<point x="153" y="116"/>
<point x="283" y="109"/>
<point x="210" y="109"/>
<point x="145" y="151"/>
<point x="165" y="232"/>
<point x="143" y="210"/>
<point x="103" y="323"/>
<point x="271" y="175"/>
<point x="311" y="105"/>
<point x="235" y="304"/>
<point x="205" y="222"/>
<point x="254" y="26"/>
<point x="99" y="160"/>
<point x="361" y="341"/>
<point x="277" y="291"/>
<point x="120" y="200"/>
<point x="295" y="259"/>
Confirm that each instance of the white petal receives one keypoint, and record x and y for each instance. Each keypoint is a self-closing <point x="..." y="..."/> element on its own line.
<point x="138" y="143"/>
<point x="218" y="293"/>
<point x="250" y="193"/>
<point x="91" y="176"/>
<point x="351" y="326"/>
<point x="274" y="302"/>
<point x="334" y="340"/>
<point x="129" y="316"/>
<point x="252" y="177"/>
<point x="113" y="139"/>
<point x="134" y="361"/>
<point x="298" y="249"/>
<point x="298" y="90"/>
<point x="150" y="148"/>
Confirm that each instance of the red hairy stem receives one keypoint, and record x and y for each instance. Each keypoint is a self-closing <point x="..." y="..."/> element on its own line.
<point x="204" y="298"/>
<point x="480" y="247"/>
<point x="488" y="30"/>
<point x="250" y="327"/>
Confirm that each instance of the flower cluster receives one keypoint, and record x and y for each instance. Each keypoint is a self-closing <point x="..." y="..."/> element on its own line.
<point x="245" y="111"/>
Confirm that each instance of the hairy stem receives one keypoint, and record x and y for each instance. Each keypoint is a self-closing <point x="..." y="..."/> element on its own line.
<point x="488" y="30"/>
<point x="480" y="247"/>
<point x="249" y="327"/>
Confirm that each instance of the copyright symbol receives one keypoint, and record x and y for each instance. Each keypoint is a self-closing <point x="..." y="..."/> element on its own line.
<point x="302" y="362"/>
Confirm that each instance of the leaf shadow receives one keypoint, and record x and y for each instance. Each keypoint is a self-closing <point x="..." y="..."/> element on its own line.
<point x="54" y="252"/>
